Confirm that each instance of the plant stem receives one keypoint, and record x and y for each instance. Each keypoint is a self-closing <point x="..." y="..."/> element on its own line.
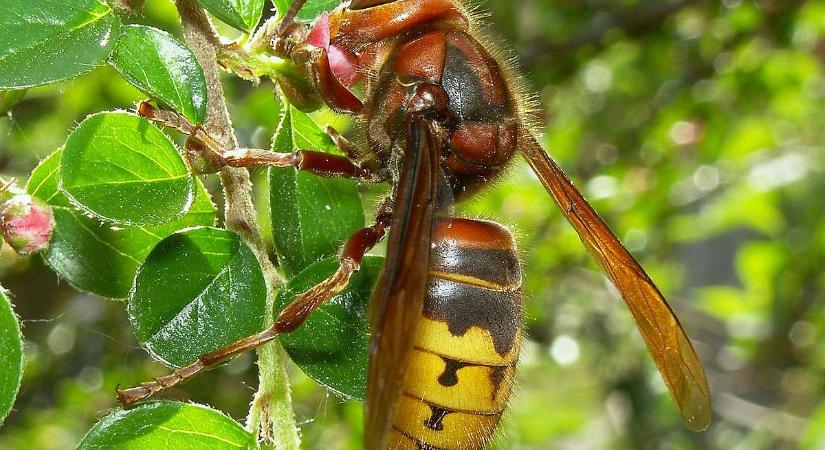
<point x="271" y="409"/>
<point x="254" y="58"/>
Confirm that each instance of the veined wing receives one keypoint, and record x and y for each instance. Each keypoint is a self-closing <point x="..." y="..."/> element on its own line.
<point x="398" y="299"/>
<point x="665" y="338"/>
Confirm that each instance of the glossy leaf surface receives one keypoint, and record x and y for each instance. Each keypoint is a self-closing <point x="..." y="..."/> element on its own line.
<point x="44" y="41"/>
<point x="167" y="425"/>
<point x="197" y="291"/>
<point x="311" y="215"/>
<point x="163" y="67"/>
<point x="96" y="257"/>
<point x="122" y="169"/>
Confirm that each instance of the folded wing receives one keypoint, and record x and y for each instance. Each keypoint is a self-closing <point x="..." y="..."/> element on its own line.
<point x="398" y="298"/>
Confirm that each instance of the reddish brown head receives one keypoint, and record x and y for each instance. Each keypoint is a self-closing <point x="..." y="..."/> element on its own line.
<point x="356" y="37"/>
<point x="407" y="44"/>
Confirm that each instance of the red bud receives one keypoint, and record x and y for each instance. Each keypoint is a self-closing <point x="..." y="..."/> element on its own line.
<point x="27" y="224"/>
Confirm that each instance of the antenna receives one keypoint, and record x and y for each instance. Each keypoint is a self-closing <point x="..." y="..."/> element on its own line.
<point x="289" y="17"/>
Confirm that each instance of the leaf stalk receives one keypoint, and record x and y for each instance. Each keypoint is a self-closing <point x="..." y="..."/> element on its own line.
<point x="271" y="410"/>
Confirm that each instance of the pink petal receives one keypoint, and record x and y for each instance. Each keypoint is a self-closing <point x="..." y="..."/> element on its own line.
<point x="319" y="36"/>
<point x="26" y="224"/>
<point x="344" y="65"/>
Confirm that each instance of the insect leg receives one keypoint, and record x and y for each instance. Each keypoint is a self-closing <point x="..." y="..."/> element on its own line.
<point x="344" y="145"/>
<point x="288" y="320"/>
<point x="319" y="163"/>
<point x="130" y="396"/>
<point x="206" y="155"/>
<point x="350" y="262"/>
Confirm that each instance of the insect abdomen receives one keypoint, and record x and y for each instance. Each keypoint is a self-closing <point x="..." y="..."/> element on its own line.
<point x="466" y="345"/>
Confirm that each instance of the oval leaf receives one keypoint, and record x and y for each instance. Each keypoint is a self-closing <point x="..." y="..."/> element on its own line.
<point x="311" y="215"/>
<point x="197" y="291"/>
<point x="169" y="425"/>
<point x="332" y="346"/>
<point x="43" y="41"/>
<point x="11" y="355"/>
<point x="93" y="256"/>
<point x="162" y="67"/>
<point x="240" y="14"/>
<point x="310" y="10"/>
<point x="122" y="169"/>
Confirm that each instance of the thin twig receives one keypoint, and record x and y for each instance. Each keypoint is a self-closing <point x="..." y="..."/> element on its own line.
<point x="272" y="401"/>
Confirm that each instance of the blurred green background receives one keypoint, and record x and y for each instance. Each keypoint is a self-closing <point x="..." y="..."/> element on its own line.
<point x="695" y="127"/>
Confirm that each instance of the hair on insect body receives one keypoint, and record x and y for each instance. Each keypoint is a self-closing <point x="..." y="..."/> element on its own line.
<point x="443" y="113"/>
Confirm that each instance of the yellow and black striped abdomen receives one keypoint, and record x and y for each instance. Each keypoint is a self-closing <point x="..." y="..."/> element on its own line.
<point x="466" y="344"/>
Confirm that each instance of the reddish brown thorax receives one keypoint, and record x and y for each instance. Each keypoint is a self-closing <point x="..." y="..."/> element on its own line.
<point x="403" y="43"/>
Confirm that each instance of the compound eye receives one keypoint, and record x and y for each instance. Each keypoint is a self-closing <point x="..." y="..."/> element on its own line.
<point x="364" y="4"/>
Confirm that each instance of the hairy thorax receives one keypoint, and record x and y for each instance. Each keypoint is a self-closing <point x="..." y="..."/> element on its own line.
<point x="482" y="128"/>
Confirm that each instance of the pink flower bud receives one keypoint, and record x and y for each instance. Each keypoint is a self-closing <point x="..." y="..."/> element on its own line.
<point x="27" y="224"/>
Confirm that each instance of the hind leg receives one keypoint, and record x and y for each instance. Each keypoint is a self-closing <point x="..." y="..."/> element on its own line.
<point x="288" y="320"/>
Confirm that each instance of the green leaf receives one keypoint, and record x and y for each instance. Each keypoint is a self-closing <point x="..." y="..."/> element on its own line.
<point x="162" y="67"/>
<point x="310" y="10"/>
<point x="332" y="346"/>
<point x="313" y="8"/>
<point x="95" y="257"/>
<point x="311" y="215"/>
<point x="10" y="99"/>
<point x="197" y="291"/>
<point x="43" y="41"/>
<point x="240" y="14"/>
<point x="167" y="425"/>
<point x="11" y="355"/>
<point x="281" y="6"/>
<point x="122" y="169"/>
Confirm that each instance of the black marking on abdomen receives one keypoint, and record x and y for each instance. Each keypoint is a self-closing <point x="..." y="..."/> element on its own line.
<point x="462" y="306"/>
<point x="423" y="446"/>
<point x="436" y="420"/>
<point x="418" y="443"/>
<point x="449" y="377"/>
<point x="449" y="410"/>
<point x="497" y="375"/>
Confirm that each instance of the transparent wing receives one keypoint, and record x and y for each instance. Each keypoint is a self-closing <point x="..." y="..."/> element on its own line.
<point x="665" y="338"/>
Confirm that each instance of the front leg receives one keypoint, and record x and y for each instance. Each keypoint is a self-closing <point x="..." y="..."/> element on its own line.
<point x="206" y="155"/>
<point x="323" y="69"/>
<point x="319" y="163"/>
